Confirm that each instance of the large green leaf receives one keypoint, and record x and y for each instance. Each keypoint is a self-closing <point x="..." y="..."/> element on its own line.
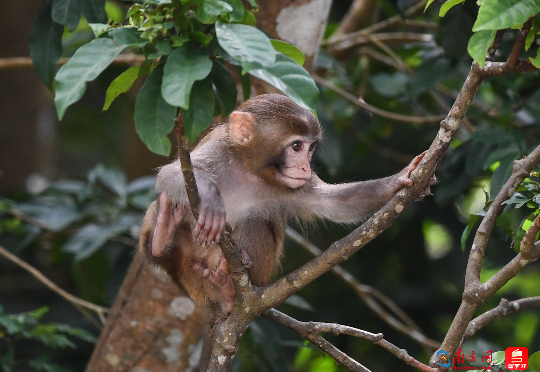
<point x="184" y="66"/>
<point x="248" y="46"/>
<point x="224" y="87"/>
<point x="154" y="117"/>
<point x="201" y="109"/>
<point x="500" y="14"/>
<point x="45" y="44"/>
<point x="94" y="11"/>
<point x="479" y="45"/>
<point x="67" y="13"/>
<point x="85" y="65"/>
<point x="290" y="78"/>
<point x="120" y="85"/>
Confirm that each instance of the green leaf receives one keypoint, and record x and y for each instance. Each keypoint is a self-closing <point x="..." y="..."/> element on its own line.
<point x="534" y="361"/>
<point x="94" y="11"/>
<point x="121" y="84"/>
<point x="290" y="78"/>
<point x="209" y="12"/>
<point x="201" y="37"/>
<point x="113" y="179"/>
<point x="248" y="46"/>
<point x="500" y="14"/>
<point x="99" y="28"/>
<point x="447" y="6"/>
<point x="389" y="85"/>
<point x="238" y="13"/>
<point x="85" y="65"/>
<point x="7" y="360"/>
<point x="536" y="60"/>
<point x="154" y="117"/>
<point x="224" y="87"/>
<point x="472" y="221"/>
<point x="184" y="66"/>
<point x="45" y="45"/>
<point x="44" y="364"/>
<point x="428" y="4"/>
<point x="497" y="358"/>
<point x="67" y="13"/>
<point x="91" y="237"/>
<point x="199" y="115"/>
<point x="128" y="37"/>
<point x="75" y="332"/>
<point x="289" y="50"/>
<point x="245" y="81"/>
<point x="479" y="45"/>
<point x="428" y="74"/>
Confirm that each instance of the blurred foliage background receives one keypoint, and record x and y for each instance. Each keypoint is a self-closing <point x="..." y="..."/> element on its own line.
<point x="88" y="180"/>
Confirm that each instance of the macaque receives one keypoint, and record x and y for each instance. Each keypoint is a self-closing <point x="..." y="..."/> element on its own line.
<point x="254" y="172"/>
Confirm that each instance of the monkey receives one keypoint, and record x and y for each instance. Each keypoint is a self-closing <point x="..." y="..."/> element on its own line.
<point x="254" y="172"/>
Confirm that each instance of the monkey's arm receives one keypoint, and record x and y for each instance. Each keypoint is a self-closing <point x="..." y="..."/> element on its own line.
<point x="211" y="222"/>
<point x="351" y="202"/>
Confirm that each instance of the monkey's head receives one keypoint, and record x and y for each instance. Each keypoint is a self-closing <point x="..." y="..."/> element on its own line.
<point x="275" y="138"/>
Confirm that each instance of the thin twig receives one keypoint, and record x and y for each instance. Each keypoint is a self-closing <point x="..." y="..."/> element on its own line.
<point x="43" y="279"/>
<point x="344" y="41"/>
<point x="375" y="110"/>
<point x="310" y="331"/>
<point x="26" y="62"/>
<point x="504" y="309"/>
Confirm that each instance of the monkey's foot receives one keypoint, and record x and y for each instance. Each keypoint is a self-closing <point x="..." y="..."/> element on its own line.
<point x="168" y="220"/>
<point x="222" y="279"/>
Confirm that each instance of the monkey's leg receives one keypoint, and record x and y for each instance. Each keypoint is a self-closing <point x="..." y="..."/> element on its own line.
<point x="168" y="219"/>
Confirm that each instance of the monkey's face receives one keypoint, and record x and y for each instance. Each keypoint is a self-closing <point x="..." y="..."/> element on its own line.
<point x="295" y="168"/>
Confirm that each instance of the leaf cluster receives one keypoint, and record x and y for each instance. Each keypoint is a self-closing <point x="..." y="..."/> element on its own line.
<point x="496" y="15"/>
<point x="91" y="212"/>
<point x="190" y="48"/>
<point x="27" y="326"/>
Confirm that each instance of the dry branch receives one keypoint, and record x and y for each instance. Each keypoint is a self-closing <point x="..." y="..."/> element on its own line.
<point x="75" y="301"/>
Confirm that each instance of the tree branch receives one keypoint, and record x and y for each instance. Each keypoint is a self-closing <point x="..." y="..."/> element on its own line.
<point x="504" y="309"/>
<point x="43" y="279"/>
<point x="475" y="293"/>
<point x="26" y="62"/>
<point x="370" y="295"/>
<point x="310" y="331"/>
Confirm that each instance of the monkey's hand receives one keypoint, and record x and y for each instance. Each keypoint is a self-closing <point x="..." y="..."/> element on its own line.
<point x="168" y="219"/>
<point x="404" y="180"/>
<point x="211" y="216"/>
<point x="221" y="278"/>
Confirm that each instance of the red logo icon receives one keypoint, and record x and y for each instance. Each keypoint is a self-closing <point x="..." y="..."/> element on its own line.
<point x="516" y="358"/>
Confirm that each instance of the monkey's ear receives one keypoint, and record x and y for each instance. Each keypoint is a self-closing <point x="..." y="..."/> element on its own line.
<point x="242" y="124"/>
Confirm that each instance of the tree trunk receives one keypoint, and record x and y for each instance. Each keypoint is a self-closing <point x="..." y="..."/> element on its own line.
<point x="153" y="326"/>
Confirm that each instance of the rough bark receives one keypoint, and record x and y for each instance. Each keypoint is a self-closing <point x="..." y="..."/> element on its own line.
<point x="153" y="326"/>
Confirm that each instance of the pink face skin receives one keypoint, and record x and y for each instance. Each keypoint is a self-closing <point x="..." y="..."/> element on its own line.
<point x="297" y="168"/>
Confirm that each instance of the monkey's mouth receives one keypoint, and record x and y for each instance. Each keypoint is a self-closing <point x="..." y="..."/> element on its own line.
<point x="291" y="181"/>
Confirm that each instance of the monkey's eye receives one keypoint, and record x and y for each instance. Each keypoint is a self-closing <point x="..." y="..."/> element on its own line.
<point x="312" y="147"/>
<point x="296" y="146"/>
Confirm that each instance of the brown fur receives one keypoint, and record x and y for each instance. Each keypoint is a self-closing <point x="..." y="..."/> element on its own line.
<point x="242" y="175"/>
